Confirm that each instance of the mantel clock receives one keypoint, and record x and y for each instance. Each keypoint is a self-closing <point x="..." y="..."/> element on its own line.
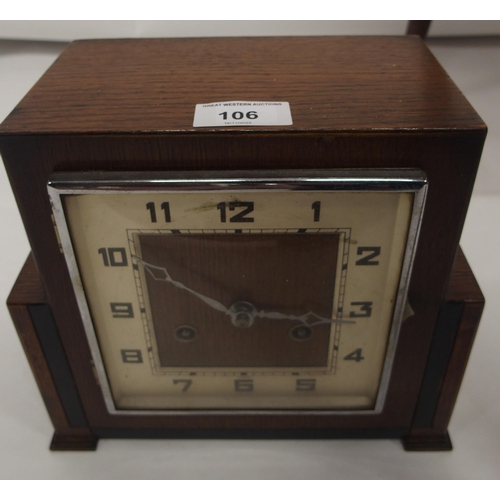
<point x="245" y="237"/>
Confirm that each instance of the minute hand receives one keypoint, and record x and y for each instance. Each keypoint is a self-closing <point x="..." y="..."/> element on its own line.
<point x="159" y="273"/>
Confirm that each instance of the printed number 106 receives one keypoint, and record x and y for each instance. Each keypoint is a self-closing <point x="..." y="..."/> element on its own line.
<point x="238" y="115"/>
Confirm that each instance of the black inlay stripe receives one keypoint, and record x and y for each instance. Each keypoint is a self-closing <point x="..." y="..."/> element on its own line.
<point x="47" y="333"/>
<point x="445" y="332"/>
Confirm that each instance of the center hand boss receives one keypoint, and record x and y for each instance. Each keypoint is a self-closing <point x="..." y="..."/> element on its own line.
<point x="242" y="313"/>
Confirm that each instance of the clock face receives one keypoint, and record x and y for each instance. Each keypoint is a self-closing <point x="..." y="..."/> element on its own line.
<point x="278" y="292"/>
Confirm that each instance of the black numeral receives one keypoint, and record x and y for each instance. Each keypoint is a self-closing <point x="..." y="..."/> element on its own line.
<point x="316" y="206"/>
<point x="367" y="260"/>
<point x="122" y="309"/>
<point x="152" y="211"/>
<point x="356" y="355"/>
<point x="222" y="207"/>
<point x="248" y="207"/>
<point x="185" y="382"/>
<point x="365" y="310"/>
<point x="243" y="385"/>
<point x="114" y="257"/>
<point x="305" y="384"/>
<point x="240" y="217"/>
<point x="131" y="355"/>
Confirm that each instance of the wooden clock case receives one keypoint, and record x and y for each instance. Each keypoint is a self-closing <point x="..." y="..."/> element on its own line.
<point x="367" y="102"/>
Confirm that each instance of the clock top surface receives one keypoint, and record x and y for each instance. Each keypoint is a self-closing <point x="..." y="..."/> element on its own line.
<point x="333" y="84"/>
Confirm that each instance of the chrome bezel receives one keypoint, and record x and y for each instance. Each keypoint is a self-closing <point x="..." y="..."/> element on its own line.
<point x="350" y="180"/>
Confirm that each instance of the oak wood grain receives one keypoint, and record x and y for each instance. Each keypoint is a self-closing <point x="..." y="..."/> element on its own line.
<point x="28" y="291"/>
<point x="463" y="291"/>
<point x="332" y="84"/>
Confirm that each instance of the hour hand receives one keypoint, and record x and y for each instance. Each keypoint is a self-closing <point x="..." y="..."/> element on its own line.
<point x="242" y="313"/>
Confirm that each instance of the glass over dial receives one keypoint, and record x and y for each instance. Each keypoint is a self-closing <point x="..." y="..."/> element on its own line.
<point x="236" y="294"/>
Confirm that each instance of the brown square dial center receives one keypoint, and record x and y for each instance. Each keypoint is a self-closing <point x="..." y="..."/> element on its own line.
<point x="289" y="273"/>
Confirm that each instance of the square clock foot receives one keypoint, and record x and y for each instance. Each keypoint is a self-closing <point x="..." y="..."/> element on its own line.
<point x="73" y="442"/>
<point x="428" y="442"/>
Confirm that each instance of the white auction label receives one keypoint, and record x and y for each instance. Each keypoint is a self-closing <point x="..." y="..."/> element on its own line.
<point x="242" y="114"/>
